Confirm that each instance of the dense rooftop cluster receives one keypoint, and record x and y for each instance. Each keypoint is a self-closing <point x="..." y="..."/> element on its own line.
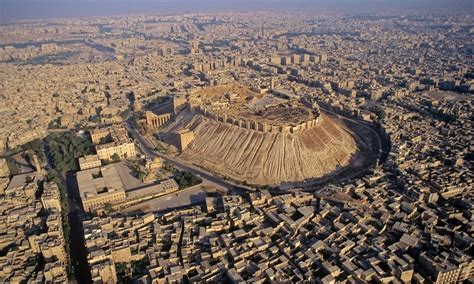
<point x="291" y="237"/>
<point x="32" y="241"/>
<point x="404" y="78"/>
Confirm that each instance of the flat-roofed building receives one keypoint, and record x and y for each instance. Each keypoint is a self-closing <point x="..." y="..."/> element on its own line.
<point x="4" y="170"/>
<point x="165" y="186"/>
<point x="52" y="248"/>
<point x="89" y="162"/>
<point x="448" y="267"/>
<point x="113" y="140"/>
<point x="99" y="186"/>
<point x="4" y="173"/>
<point x="98" y="136"/>
<point x="51" y="196"/>
<point x="55" y="272"/>
<point x="104" y="272"/>
<point x="27" y="182"/>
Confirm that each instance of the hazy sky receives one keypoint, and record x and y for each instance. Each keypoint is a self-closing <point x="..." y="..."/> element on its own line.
<point x="14" y="10"/>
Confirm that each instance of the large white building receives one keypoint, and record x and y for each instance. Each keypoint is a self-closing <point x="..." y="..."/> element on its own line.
<point x="113" y="140"/>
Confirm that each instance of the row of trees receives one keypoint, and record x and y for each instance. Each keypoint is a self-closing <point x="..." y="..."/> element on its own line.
<point x="61" y="150"/>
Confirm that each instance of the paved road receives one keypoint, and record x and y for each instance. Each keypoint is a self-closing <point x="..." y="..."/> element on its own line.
<point x="148" y="149"/>
<point x="379" y="139"/>
<point x="77" y="249"/>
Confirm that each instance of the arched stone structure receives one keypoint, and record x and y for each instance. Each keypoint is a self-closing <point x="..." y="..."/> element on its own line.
<point x="155" y="121"/>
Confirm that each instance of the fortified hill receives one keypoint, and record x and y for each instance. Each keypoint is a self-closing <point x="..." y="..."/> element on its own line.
<point x="260" y="138"/>
<point x="250" y="110"/>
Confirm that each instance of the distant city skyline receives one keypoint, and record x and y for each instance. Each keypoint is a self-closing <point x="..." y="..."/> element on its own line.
<point x="229" y="141"/>
<point x="18" y="10"/>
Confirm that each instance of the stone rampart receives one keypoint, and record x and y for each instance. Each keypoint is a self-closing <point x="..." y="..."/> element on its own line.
<point x="254" y="125"/>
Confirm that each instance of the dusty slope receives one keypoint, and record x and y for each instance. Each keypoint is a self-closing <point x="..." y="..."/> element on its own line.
<point x="260" y="158"/>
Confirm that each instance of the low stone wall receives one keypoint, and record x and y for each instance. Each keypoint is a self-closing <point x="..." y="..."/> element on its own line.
<point x="253" y="124"/>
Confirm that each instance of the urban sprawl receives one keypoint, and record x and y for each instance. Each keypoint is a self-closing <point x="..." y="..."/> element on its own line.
<point x="256" y="147"/>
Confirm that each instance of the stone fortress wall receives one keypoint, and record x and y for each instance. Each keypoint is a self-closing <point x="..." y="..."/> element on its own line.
<point x="252" y="124"/>
<point x="154" y="121"/>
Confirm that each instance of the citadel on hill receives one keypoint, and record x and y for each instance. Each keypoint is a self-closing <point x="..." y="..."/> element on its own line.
<point x="238" y="147"/>
<point x="261" y="138"/>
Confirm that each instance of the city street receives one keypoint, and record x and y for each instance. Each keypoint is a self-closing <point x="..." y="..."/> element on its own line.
<point x="148" y="149"/>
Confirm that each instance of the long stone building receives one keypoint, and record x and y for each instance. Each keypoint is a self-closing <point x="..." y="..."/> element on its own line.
<point x="99" y="186"/>
<point x="113" y="140"/>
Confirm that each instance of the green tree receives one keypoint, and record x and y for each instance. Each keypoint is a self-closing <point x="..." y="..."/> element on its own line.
<point x="65" y="148"/>
<point x="108" y="208"/>
<point x="139" y="267"/>
<point x="115" y="157"/>
<point x="141" y="175"/>
<point x="168" y="167"/>
<point x="66" y="230"/>
<point x="186" y="179"/>
<point x="122" y="272"/>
